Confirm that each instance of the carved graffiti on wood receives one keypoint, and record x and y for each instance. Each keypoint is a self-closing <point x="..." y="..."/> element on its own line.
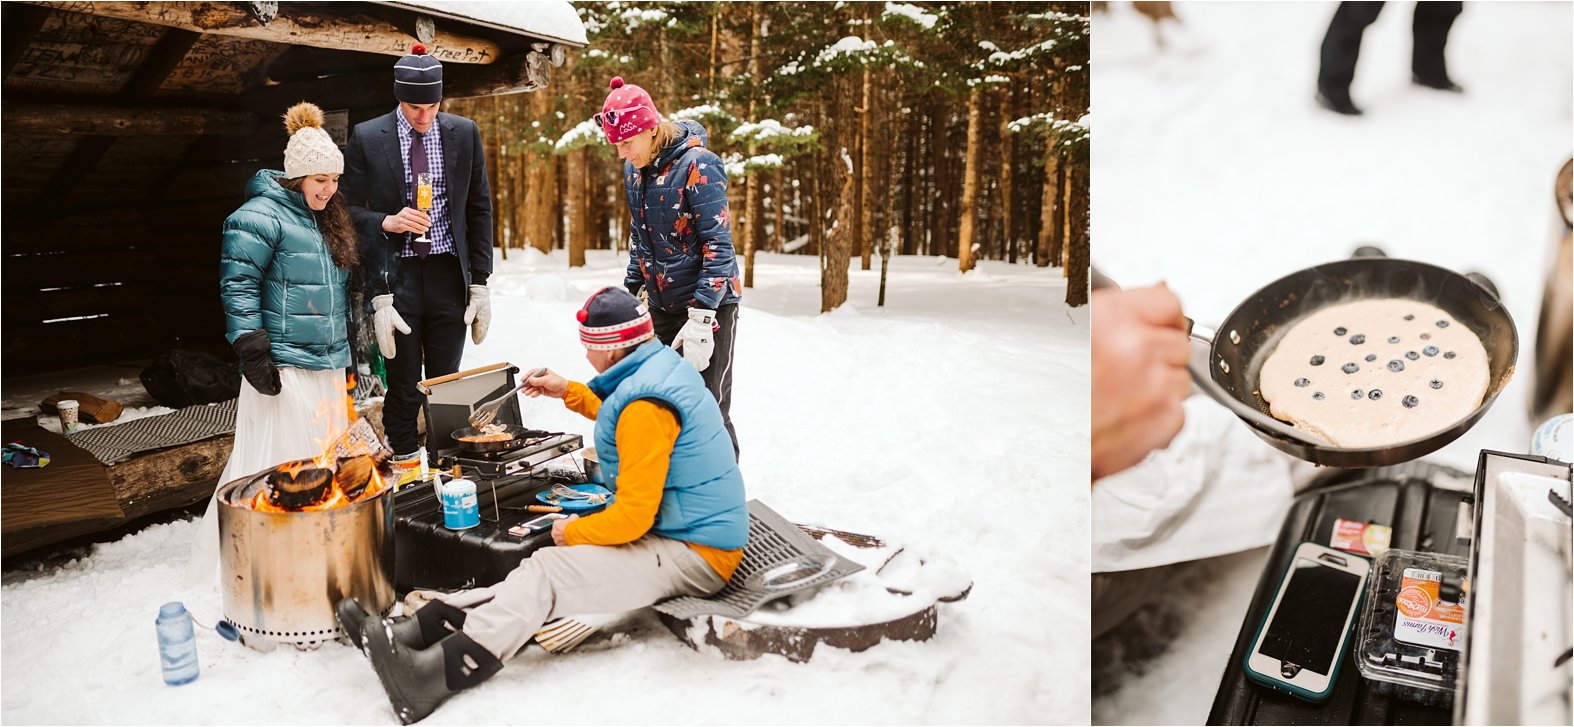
<point x="218" y="64"/>
<point x="83" y="53"/>
<point x="296" y="24"/>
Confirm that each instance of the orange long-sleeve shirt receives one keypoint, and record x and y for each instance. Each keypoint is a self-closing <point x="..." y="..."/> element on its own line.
<point x="646" y="435"/>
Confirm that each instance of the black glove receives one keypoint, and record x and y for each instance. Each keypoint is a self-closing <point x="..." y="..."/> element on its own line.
<point x="256" y="362"/>
<point x="633" y="288"/>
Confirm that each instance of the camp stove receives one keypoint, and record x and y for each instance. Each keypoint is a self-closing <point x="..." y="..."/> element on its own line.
<point x="542" y="447"/>
<point x="429" y="555"/>
<point x="450" y="400"/>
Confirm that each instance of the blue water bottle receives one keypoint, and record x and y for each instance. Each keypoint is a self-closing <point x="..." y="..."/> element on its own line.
<point x="177" y="644"/>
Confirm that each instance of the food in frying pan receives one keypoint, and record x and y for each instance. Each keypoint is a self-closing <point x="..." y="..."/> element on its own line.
<point x="490" y="433"/>
<point x="1371" y="373"/>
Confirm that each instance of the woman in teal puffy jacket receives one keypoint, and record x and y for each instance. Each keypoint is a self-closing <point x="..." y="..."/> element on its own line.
<point x="285" y="262"/>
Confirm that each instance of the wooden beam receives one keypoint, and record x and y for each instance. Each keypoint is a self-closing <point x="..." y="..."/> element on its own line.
<point x="296" y="24"/>
<point x="21" y="24"/>
<point x="519" y="73"/>
<point x="161" y="61"/>
<point x="150" y="74"/>
<point x="83" y="158"/>
<point x="302" y="63"/>
<point x="73" y="120"/>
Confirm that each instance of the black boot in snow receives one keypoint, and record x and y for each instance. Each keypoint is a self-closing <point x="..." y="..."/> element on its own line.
<point x="432" y="622"/>
<point x="1441" y="83"/>
<point x="418" y="680"/>
<point x="1338" y="102"/>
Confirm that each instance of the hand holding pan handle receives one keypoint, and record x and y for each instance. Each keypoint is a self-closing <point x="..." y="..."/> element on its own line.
<point x="1204" y="381"/>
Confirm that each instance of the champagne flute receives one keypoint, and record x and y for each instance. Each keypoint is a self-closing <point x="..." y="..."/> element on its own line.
<point x="423" y="198"/>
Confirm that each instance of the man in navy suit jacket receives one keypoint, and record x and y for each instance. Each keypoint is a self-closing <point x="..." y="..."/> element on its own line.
<point x="425" y="272"/>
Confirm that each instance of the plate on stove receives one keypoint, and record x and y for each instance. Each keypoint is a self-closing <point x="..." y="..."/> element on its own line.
<point x="576" y="506"/>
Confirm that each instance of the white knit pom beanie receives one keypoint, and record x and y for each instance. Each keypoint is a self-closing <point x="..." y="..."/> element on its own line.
<point x="311" y="150"/>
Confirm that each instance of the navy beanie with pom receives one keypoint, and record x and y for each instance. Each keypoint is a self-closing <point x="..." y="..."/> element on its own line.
<point x="418" y="77"/>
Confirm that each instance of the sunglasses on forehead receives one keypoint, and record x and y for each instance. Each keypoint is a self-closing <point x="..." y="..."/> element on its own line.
<point x="610" y="118"/>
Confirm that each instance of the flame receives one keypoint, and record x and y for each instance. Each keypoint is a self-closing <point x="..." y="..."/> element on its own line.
<point x="349" y="397"/>
<point x="336" y="450"/>
<point x="336" y="494"/>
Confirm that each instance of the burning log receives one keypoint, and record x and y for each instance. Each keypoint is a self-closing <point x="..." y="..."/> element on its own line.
<point x="355" y="474"/>
<point x="305" y="485"/>
<point x="298" y="485"/>
<point x="352" y="469"/>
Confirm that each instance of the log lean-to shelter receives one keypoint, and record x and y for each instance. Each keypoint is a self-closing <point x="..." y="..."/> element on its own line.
<point x="129" y="131"/>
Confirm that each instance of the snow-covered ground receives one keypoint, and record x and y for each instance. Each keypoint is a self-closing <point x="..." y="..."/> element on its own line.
<point x="1215" y="170"/>
<point x="954" y="420"/>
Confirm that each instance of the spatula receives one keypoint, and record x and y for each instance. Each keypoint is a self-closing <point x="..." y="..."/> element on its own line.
<point x="486" y="413"/>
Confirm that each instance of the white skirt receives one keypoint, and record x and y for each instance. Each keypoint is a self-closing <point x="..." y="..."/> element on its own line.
<point x="308" y="414"/>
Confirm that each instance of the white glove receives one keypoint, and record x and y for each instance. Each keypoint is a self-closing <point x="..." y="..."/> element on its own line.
<point x="697" y="339"/>
<point x="478" y="314"/>
<point x="384" y="320"/>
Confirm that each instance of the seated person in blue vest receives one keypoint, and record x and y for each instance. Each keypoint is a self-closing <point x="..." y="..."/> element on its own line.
<point x="424" y="272"/>
<point x="676" y="528"/>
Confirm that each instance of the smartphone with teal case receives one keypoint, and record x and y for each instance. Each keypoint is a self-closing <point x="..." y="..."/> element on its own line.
<point x="1303" y="638"/>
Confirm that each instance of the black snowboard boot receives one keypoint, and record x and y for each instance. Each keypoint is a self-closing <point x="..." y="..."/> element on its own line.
<point x="418" y="680"/>
<point x="432" y="622"/>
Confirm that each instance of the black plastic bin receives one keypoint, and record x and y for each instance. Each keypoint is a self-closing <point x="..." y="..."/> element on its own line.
<point x="430" y="556"/>
<point x="1423" y="517"/>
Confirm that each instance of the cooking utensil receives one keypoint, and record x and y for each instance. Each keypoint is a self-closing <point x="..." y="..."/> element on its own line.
<point x="1229" y="367"/>
<point x="485" y="413"/>
<point x="520" y="436"/>
<point x="576" y="498"/>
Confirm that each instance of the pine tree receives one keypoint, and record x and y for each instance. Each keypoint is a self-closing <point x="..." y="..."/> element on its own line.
<point x="783" y="92"/>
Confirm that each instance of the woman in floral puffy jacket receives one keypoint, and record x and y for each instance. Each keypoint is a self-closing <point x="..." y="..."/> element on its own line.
<point x="680" y="241"/>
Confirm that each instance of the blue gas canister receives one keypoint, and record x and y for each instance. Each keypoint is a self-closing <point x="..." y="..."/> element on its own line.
<point x="461" y="511"/>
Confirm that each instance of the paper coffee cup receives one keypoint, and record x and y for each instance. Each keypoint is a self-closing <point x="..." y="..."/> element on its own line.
<point x="68" y="414"/>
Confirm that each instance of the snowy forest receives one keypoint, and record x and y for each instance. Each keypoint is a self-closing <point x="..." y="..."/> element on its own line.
<point x="850" y="131"/>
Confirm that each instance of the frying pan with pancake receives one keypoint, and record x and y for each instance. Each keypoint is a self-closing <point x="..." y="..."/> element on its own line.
<point x="1228" y="368"/>
<point x="520" y="436"/>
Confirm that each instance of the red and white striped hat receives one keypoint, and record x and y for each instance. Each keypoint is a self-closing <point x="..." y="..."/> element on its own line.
<point x="614" y="319"/>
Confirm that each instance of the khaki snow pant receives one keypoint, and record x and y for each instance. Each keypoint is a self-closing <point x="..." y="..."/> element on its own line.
<point x="565" y="581"/>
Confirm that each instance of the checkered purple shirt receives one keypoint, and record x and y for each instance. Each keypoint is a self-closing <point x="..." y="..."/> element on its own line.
<point x="441" y="234"/>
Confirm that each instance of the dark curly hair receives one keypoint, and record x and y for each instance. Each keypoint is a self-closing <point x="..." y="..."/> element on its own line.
<point x="338" y="233"/>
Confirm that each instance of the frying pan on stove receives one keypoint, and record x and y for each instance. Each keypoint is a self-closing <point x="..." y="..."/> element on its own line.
<point x="1235" y="353"/>
<point x="520" y="436"/>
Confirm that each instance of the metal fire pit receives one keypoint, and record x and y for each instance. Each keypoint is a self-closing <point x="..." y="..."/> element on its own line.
<point x="282" y="573"/>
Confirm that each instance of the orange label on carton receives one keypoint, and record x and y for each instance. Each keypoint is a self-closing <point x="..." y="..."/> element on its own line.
<point x="1361" y="538"/>
<point x="1424" y="620"/>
